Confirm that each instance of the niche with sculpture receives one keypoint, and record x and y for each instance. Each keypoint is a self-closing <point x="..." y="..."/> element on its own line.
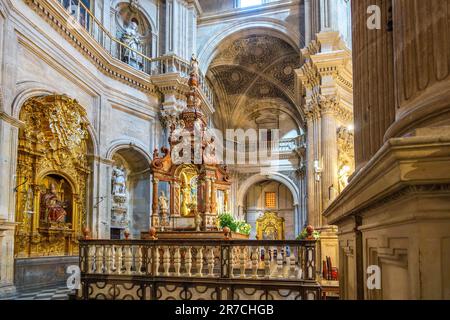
<point x="52" y="174"/>
<point x="55" y="203"/>
<point x="120" y="198"/>
<point x="133" y="30"/>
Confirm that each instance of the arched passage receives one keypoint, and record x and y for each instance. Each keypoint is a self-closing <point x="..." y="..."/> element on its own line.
<point x="130" y="191"/>
<point x="255" y="193"/>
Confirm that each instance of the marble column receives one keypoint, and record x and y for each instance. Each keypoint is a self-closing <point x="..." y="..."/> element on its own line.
<point x="421" y="60"/>
<point x="9" y="129"/>
<point x="7" y="258"/>
<point x="100" y="221"/>
<point x="310" y="171"/>
<point x="312" y="20"/>
<point x="373" y="113"/>
<point x="329" y="154"/>
<point x="181" y="22"/>
<point x="207" y="196"/>
<point x="213" y="209"/>
<point x="155" y="211"/>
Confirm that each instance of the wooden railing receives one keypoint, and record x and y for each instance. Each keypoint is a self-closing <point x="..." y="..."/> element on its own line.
<point x="83" y="18"/>
<point x="224" y="269"/>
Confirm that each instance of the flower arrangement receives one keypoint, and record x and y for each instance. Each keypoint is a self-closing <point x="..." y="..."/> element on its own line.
<point x="309" y="234"/>
<point x="227" y="220"/>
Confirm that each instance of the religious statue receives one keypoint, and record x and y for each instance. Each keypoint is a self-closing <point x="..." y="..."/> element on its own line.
<point x="185" y="201"/>
<point x="163" y="206"/>
<point x="132" y="39"/>
<point x="194" y="65"/>
<point x="209" y="152"/>
<point x="198" y="221"/>
<point x="118" y="181"/>
<point x="51" y="207"/>
<point x="163" y="210"/>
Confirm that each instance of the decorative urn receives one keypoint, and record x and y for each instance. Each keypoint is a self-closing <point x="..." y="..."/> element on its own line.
<point x="86" y="233"/>
<point x="126" y="233"/>
<point x="227" y="232"/>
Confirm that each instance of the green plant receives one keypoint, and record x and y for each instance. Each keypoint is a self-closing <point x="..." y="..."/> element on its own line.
<point x="304" y="234"/>
<point x="227" y="220"/>
<point x="243" y="227"/>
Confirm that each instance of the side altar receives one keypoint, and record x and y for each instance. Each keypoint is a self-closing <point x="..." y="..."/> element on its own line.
<point x="190" y="187"/>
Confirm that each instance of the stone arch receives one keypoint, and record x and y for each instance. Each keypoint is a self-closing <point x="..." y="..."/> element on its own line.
<point x="133" y="164"/>
<point x="261" y="25"/>
<point x="251" y="216"/>
<point x="41" y="89"/>
<point x="127" y="144"/>
<point x="269" y="176"/>
<point x="115" y="3"/>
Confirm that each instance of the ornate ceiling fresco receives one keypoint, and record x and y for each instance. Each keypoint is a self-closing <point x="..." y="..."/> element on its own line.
<point x="254" y="81"/>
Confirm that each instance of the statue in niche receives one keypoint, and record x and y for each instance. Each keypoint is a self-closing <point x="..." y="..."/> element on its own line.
<point x="163" y="206"/>
<point x="119" y="181"/>
<point x="51" y="207"/>
<point x="185" y="202"/>
<point x="132" y="39"/>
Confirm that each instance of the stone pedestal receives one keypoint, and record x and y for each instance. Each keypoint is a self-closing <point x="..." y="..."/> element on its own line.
<point x="6" y="258"/>
<point x="38" y="273"/>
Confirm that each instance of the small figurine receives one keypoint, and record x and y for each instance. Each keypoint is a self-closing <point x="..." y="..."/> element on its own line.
<point x="198" y="221"/>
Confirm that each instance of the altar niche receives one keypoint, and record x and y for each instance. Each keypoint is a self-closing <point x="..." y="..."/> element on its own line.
<point x="52" y="175"/>
<point x="55" y="205"/>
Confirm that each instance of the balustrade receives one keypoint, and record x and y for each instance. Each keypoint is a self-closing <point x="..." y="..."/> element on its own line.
<point x="281" y="260"/>
<point x="81" y="17"/>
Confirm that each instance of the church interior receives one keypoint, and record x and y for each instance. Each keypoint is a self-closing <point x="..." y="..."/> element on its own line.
<point x="225" y="149"/>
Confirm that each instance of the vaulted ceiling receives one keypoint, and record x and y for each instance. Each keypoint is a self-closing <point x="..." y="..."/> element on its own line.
<point x="253" y="78"/>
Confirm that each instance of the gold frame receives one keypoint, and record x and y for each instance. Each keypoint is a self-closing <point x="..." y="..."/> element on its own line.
<point x="272" y="220"/>
<point x="53" y="141"/>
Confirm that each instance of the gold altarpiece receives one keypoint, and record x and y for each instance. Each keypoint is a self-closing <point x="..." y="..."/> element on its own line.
<point x="270" y="227"/>
<point x="52" y="172"/>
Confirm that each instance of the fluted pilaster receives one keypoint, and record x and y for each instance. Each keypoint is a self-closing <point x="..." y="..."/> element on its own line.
<point x="310" y="172"/>
<point x="329" y="153"/>
<point x="373" y="74"/>
<point x="422" y="64"/>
